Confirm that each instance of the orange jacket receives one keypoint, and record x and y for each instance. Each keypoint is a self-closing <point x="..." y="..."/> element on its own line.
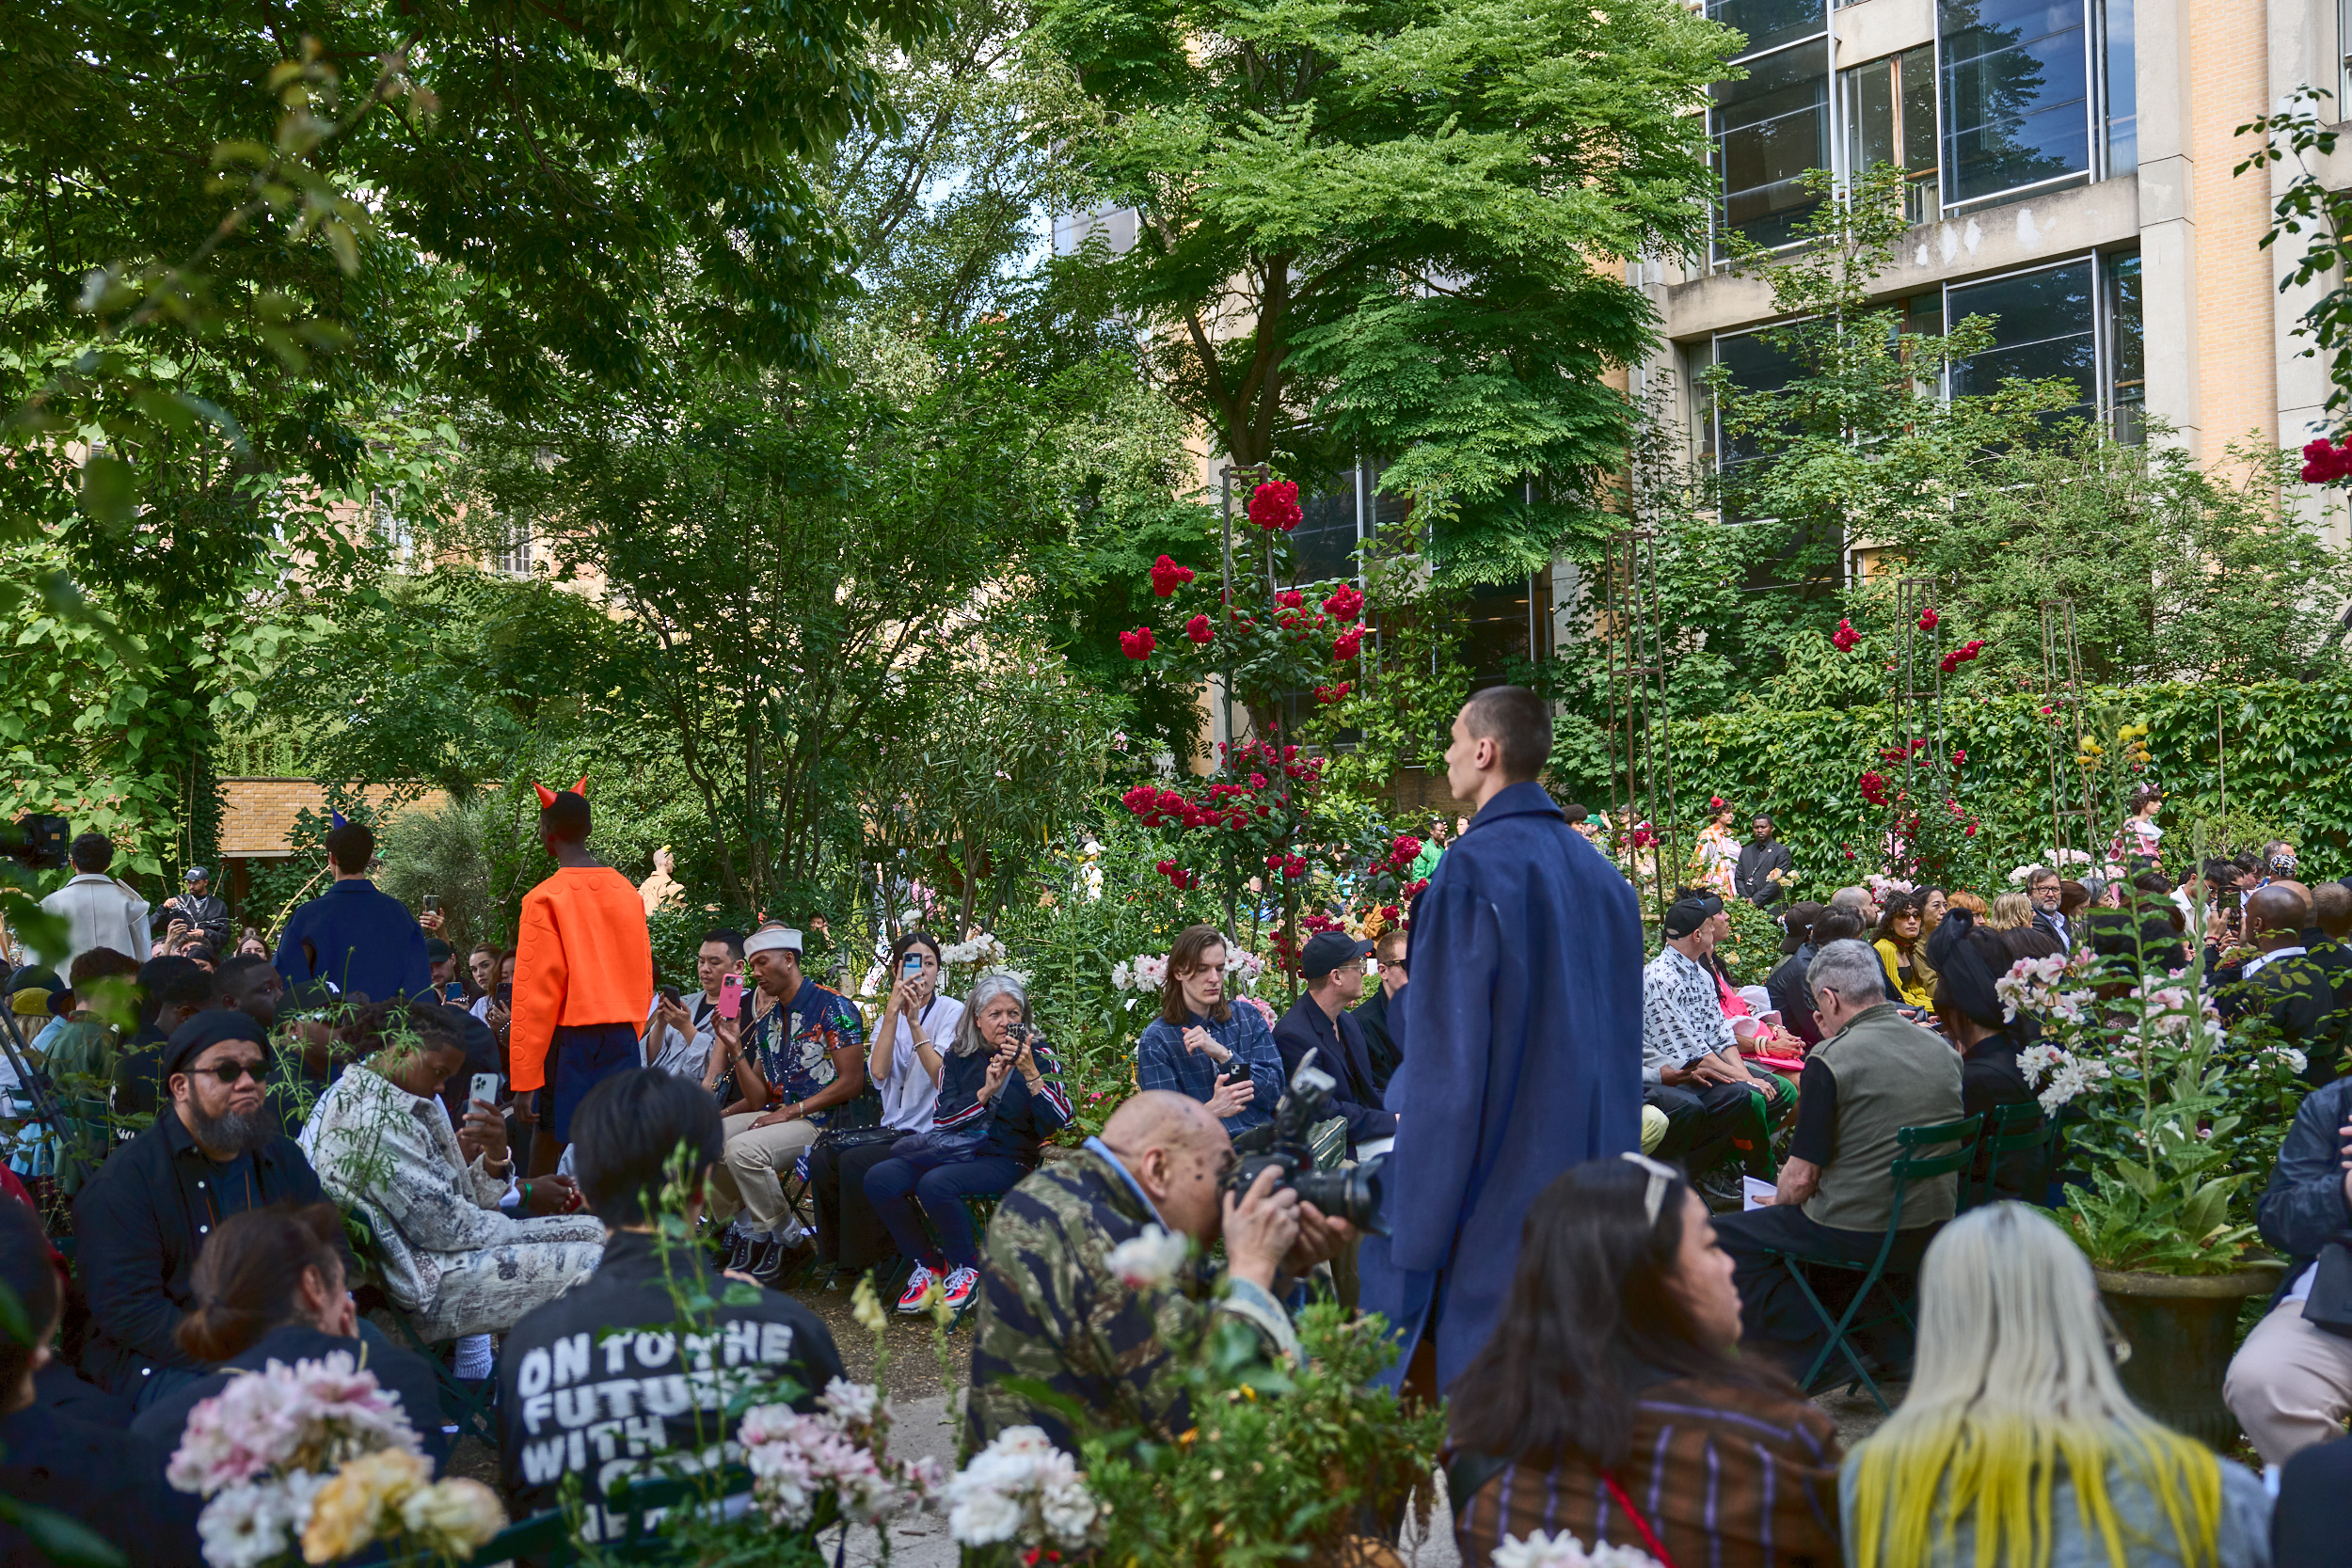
<point x="583" y="957"/>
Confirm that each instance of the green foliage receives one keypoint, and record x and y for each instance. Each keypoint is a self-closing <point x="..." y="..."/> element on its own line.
<point x="1411" y="681"/>
<point x="1752" y="952"/>
<point x="1315" y="172"/>
<point x="1281" y="1461"/>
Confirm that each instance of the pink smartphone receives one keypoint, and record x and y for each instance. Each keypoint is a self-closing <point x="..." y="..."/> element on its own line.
<point x="731" y="996"/>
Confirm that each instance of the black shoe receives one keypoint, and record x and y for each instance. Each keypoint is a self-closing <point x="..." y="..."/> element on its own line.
<point x="781" y="1260"/>
<point x="1721" y="1190"/>
<point x="746" y="1247"/>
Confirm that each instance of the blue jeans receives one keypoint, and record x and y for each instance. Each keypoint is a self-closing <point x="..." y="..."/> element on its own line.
<point x="895" y="1186"/>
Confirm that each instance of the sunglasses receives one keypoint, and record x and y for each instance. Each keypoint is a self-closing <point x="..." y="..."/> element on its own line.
<point x="231" y="1073"/>
<point x="1661" y="1176"/>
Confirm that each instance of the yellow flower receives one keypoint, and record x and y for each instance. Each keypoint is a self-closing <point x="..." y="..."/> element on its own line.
<point x="350" y="1508"/>
<point x="866" y="1306"/>
<point x="454" y="1516"/>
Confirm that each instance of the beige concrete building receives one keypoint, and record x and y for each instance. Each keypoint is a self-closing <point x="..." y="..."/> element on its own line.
<point x="2070" y="165"/>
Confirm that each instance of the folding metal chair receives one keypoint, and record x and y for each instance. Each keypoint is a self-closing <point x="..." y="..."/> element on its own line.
<point x="472" y="1409"/>
<point x="2013" y="1128"/>
<point x="545" y="1540"/>
<point x="1908" y="1169"/>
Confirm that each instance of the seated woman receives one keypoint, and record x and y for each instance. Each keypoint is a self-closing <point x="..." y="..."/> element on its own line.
<point x="1612" y="1402"/>
<point x="439" y="1199"/>
<point x="269" y="1286"/>
<point x="2013" y="920"/>
<point x="104" y="1477"/>
<point x="1897" y="944"/>
<point x="997" y="1105"/>
<point x="905" y="1063"/>
<point x="1968" y="962"/>
<point x="2017" y="1445"/>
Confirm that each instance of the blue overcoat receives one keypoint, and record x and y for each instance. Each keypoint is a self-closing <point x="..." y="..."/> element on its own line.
<point x="1522" y="1057"/>
<point x="360" y="939"/>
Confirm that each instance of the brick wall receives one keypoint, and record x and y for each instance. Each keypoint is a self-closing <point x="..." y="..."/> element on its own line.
<point x="2237" y="372"/>
<point x="258" y="815"/>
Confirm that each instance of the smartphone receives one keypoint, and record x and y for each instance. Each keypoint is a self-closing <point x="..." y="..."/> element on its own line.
<point x="669" y="994"/>
<point x="432" y="903"/>
<point x="486" y="1089"/>
<point x="731" y="996"/>
<point x="913" y="967"/>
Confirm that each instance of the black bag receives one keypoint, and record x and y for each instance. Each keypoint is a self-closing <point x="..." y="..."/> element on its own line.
<point x="2328" y="1309"/>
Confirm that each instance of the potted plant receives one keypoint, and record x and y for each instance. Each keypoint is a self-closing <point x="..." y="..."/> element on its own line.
<point x="2171" y="1119"/>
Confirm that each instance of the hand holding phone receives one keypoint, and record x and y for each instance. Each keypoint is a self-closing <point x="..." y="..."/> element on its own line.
<point x="731" y="997"/>
<point x="484" y="1088"/>
<point x="913" y="968"/>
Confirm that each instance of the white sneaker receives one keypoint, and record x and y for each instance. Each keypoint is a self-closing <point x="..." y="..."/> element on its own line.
<point x="960" y="1287"/>
<point x="919" y="1287"/>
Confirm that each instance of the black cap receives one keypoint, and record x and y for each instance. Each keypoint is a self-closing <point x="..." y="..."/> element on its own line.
<point x="438" y="950"/>
<point x="1327" y="950"/>
<point x="1689" y="915"/>
<point x="209" y="1028"/>
<point x="1797" y="922"/>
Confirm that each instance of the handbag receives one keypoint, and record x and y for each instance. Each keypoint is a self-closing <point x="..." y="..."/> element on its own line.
<point x="856" y="1137"/>
<point x="2329" y="1307"/>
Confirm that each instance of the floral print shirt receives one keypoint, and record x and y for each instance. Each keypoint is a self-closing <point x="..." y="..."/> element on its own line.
<point x="796" y="1041"/>
<point x="1681" y="1018"/>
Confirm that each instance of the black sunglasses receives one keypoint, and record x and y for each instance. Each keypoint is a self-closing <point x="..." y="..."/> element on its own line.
<point x="230" y="1072"/>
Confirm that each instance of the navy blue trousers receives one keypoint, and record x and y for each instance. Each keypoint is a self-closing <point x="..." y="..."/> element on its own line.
<point x="895" y="1186"/>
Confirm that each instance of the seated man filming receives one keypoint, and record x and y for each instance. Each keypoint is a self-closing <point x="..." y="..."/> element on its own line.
<point x="1059" y="1299"/>
<point x="1691" y="1064"/>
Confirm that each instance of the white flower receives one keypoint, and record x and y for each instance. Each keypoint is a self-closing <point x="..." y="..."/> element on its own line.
<point x="2065" y="1083"/>
<point x="981" y="1516"/>
<point x="455" y="1515"/>
<point x="1149" y="1260"/>
<point x="1565" y="1550"/>
<point x="1019" y="1487"/>
<point x="245" y="1524"/>
<point x="2294" y="1059"/>
<point x="2035" y="1060"/>
<point x="1121" y="976"/>
<point x="853" y="1404"/>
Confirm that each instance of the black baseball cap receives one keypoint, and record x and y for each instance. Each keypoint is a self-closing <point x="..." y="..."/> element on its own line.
<point x="1326" y="950"/>
<point x="1689" y="915"/>
<point x="438" y="950"/>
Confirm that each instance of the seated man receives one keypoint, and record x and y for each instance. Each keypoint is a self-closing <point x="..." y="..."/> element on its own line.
<point x="437" y="1198"/>
<point x="795" y="1065"/>
<point x="1333" y="968"/>
<point x="173" y="990"/>
<point x="578" y="1399"/>
<point x="1057" y="1309"/>
<point x="1381" y="1016"/>
<point x="2290" y="1385"/>
<point x="1691" y="1064"/>
<point x="1874" y="1074"/>
<point x="216" y="1151"/>
<point x="1205" y="1046"/>
<point x="2281" y="984"/>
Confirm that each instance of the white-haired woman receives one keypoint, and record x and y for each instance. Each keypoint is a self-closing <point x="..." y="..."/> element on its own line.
<point x="2016" y="1446"/>
<point x="998" y="1103"/>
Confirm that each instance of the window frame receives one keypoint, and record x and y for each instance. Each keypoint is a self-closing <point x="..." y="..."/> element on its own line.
<point x="2099" y="160"/>
<point x="1825" y="40"/>
<point x="2104" y="402"/>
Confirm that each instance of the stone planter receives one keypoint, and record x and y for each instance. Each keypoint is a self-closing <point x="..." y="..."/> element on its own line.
<point x="2181" y="1330"/>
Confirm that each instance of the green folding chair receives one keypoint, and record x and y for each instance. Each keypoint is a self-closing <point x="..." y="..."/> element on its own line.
<point x="545" y="1540"/>
<point x="471" y="1409"/>
<point x="2014" y="1128"/>
<point x="1908" y="1169"/>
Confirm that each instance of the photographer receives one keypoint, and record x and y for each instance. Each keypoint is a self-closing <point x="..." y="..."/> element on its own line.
<point x="1078" y="1298"/>
<point x="996" y="1106"/>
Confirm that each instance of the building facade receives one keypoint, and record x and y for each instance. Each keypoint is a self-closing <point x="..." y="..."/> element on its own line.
<point x="2068" y="168"/>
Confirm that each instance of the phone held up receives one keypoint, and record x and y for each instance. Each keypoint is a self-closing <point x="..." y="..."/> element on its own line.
<point x="432" y="903"/>
<point x="486" y="1089"/>
<point x="731" y="997"/>
<point x="913" y="968"/>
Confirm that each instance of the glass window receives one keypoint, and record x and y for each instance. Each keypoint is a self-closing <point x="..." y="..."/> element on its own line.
<point x="2016" y="95"/>
<point x="1499" y="627"/>
<point x="1769" y="24"/>
<point x="1324" y="543"/>
<point x="1769" y="131"/>
<point x="2127" y="383"/>
<point x="2044" y="323"/>
<point x="1890" y="118"/>
<point x="2118" y="66"/>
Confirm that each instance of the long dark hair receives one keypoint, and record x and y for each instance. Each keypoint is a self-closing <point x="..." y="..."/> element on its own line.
<point x="1591" y="1319"/>
<point x="247" y="1280"/>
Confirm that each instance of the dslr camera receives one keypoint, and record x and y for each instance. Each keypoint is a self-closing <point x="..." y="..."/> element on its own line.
<point x="1284" y="1144"/>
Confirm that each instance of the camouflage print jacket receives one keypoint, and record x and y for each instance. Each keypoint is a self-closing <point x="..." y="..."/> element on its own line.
<point x="1052" y="1310"/>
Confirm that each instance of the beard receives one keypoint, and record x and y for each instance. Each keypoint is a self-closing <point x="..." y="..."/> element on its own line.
<point x="233" y="1131"/>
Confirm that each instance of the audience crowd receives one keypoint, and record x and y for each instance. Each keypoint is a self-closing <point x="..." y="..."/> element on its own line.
<point x="468" y="1168"/>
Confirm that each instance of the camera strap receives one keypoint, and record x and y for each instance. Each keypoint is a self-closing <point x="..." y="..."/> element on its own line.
<point x="1650" y="1537"/>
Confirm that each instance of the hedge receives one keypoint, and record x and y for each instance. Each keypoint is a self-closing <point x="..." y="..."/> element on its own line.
<point x="2289" y="757"/>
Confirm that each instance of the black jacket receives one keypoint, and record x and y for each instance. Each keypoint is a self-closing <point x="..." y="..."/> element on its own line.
<point x="1750" y="878"/>
<point x="2303" y="1210"/>
<point x="1382" y="1023"/>
<point x="2297" y="999"/>
<point x="1342" y="1055"/>
<point x="207" y="914"/>
<point x="105" y="1478"/>
<point x="2307" y="1528"/>
<point x="402" y="1373"/>
<point x="141" y="1221"/>
<point x="577" y="1397"/>
<point x="1792" y="994"/>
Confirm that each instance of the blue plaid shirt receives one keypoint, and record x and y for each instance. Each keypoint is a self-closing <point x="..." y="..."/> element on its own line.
<point x="1161" y="1062"/>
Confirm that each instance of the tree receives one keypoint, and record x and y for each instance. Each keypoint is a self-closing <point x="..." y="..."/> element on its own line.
<point x="1389" y="228"/>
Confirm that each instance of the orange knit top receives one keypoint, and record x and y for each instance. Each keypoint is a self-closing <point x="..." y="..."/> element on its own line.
<point x="581" y="958"/>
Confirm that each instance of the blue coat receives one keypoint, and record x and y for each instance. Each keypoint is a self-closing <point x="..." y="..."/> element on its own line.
<point x="358" y="937"/>
<point x="1524" y="1019"/>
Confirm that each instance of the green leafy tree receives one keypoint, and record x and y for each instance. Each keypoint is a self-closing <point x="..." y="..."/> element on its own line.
<point x="1391" y="229"/>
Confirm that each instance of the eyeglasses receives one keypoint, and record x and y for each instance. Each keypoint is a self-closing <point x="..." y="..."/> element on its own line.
<point x="230" y="1073"/>
<point x="1661" y="1178"/>
<point x="1389" y="963"/>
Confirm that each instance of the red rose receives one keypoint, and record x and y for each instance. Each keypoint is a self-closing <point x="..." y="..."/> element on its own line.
<point x="1844" y="637"/>
<point x="1345" y="646"/>
<point x="1346" y="603"/>
<point x="1928" y="617"/>
<point x="1294" y="868"/>
<point x="1136" y="644"/>
<point x="2324" y="462"/>
<point x="1959" y="757"/>
<point x="1199" y="629"/>
<point x="1274" y="504"/>
<point x="1167" y="576"/>
<point x="1291" y="598"/>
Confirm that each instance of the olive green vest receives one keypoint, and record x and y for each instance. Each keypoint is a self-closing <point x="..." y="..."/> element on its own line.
<point x="1891" y="1074"/>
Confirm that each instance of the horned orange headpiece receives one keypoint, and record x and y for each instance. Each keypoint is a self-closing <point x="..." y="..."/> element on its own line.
<point x="546" y="796"/>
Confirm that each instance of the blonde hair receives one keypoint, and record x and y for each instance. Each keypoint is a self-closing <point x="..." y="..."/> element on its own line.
<point x="2015" y="1383"/>
<point x="2012" y="912"/>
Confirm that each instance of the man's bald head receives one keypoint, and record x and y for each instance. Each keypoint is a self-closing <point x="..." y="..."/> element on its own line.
<point x="1158" y="1118"/>
<point x="1854" y="899"/>
<point x="2280" y="911"/>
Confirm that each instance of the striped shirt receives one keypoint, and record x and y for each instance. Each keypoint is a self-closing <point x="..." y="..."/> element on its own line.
<point x="1725" y="1476"/>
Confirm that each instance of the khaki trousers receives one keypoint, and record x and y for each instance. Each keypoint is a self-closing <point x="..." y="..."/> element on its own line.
<point x="749" y="1175"/>
<point x="2290" y="1385"/>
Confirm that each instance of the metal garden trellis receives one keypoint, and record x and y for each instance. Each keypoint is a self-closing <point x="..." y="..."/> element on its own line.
<point x="1918" y="722"/>
<point x="1641" y="758"/>
<point x="2063" y="698"/>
